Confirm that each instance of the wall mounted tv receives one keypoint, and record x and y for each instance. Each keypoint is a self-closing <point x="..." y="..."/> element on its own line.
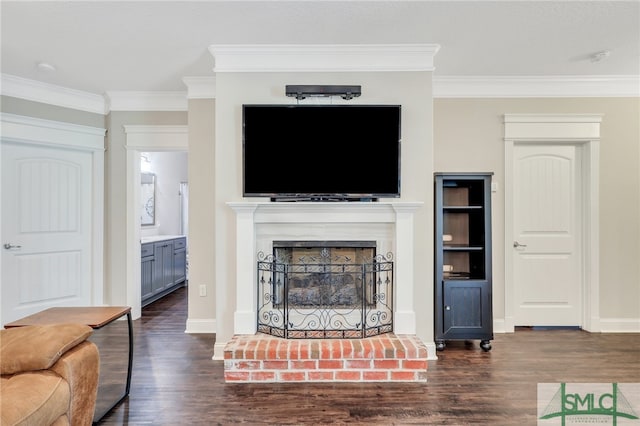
<point x="321" y="152"/>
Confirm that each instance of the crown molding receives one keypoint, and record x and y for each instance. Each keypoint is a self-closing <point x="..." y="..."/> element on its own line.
<point x="200" y="87"/>
<point x="146" y="101"/>
<point x="323" y="57"/>
<point x="37" y="91"/>
<point x="536" y="86"/>
<point x="288" y="58"/>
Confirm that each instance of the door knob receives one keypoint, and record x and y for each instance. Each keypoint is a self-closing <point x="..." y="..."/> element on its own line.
<point x="517" y="244"/>
<point x="10" y="246"/>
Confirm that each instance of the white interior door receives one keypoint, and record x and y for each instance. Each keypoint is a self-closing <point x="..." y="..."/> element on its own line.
<point x="46" y="228"/>
<point x="547" y="254"/>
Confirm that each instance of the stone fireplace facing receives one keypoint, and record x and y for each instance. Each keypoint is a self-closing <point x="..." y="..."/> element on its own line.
<point x="387" y="227"/>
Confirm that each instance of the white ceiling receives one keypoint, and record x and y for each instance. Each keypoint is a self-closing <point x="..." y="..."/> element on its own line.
<point x="100" y="46"/>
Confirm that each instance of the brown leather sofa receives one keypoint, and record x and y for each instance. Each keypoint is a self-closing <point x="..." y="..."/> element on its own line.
<point x="49" y="375"/>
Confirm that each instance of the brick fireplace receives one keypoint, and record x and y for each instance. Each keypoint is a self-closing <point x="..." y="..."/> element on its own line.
<point x="385" y="358"/>
<point x="389" y="225"/>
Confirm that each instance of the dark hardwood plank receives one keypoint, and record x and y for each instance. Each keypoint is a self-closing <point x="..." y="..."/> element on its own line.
<point x="175" y="382"/>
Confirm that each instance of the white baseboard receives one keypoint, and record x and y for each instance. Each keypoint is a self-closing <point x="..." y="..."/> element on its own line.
<point x="499" y="326"/>
<point x="603" y="325"/>
<point x="431" y="351"/>
<point x="195" y="326"/>
<point x="218" y="351"/>
<point x="620" y="325"/>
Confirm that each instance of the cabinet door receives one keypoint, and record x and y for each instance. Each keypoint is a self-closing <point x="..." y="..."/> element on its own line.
<point x="163" y="268"/>
<point x="179" y="266"/>
<point x="179" y="260"/>
<point x="147" y="260"/>
<point x="147" y="277"/>
<point x="467" y="309"/>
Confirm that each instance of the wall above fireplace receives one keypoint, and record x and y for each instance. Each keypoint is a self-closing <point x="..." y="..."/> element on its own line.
<point x="409" y="88"/>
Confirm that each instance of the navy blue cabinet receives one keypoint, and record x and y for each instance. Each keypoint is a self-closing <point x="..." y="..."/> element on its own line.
<point x="463" y="309"/>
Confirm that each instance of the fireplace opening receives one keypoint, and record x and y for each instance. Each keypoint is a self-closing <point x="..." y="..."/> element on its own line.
<point x="325" y="289"/>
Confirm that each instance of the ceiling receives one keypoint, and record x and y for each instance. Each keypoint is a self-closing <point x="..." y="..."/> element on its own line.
<point x="100" y="46"/>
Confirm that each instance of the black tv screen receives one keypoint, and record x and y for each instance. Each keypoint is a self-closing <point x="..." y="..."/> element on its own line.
<point x="321" y="152"/>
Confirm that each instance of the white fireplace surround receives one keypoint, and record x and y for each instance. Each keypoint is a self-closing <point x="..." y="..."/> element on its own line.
<point x="390" y="224"/>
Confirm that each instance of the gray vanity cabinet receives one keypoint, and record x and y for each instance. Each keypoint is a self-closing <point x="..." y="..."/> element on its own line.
<point x="462" y="264"/>
<point x="147" y="263"/>
<point x="163" y="265"/>
<point x="163" y="268"/>
<point x="179" y="260"/>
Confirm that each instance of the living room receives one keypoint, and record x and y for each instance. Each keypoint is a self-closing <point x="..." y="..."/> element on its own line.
<point x="450" y="123"/>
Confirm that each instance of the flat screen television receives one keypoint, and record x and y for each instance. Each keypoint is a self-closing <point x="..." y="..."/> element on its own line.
<point x="321" y="152"/>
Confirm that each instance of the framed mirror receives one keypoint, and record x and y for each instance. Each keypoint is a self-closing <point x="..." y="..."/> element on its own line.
<point x="147" y="199"/>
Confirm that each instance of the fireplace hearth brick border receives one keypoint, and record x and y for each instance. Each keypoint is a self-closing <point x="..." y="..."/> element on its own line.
<point x="261" y="358"/>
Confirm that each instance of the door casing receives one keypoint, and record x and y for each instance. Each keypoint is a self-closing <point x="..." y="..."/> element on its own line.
<point x="141" y="138"/>
<point x="36" y="131"/>
<point x="582" y="130"/>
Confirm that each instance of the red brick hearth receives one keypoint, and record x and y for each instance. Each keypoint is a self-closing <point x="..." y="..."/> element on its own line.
<point x="385" y="358"/>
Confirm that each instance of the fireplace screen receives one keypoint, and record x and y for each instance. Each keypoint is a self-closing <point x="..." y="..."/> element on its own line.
<point x="324" y="291"/>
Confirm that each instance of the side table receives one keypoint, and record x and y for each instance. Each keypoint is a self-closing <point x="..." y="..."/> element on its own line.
<point x="96" y="317"/>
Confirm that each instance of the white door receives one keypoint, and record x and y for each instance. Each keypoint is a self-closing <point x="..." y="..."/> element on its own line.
<point x="46" y="228"/>
<point x="547" y="268"/>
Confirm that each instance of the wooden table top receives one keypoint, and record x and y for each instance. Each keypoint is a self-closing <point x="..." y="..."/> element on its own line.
<point x="93" y="316"/>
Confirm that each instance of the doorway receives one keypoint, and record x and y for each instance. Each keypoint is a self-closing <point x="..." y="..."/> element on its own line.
<point x="551" y="220"/>
<point x="139" y="139"/>
<point x="169" y="171"/>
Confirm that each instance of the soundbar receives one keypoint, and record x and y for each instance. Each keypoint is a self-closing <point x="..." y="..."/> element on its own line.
<point x="303" y="91"/>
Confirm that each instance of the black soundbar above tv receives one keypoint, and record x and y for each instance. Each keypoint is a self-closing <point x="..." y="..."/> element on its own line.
<point x="303" y="91"/>
<point x="321" y="152"/>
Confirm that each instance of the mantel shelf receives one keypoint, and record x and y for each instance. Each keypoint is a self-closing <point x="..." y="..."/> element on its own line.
<point x="325" y="212"/>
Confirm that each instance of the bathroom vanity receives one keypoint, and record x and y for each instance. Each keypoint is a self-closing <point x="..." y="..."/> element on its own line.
<point x="164" y="266"/>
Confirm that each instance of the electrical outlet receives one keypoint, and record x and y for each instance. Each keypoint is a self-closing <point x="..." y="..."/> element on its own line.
<point x="203" y="290"/>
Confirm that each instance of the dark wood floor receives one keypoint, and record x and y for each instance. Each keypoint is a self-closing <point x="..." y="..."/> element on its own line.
<point x="175" y="382"/>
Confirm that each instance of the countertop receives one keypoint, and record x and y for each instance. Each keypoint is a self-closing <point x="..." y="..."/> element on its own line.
<point x="156" y="238"/>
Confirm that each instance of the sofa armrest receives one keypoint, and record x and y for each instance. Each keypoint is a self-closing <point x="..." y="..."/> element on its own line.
<point x="80" y="367"/>
<point x="38" y="347"/>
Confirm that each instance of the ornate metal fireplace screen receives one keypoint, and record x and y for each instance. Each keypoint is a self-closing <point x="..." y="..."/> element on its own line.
<point x="330" y="298"/>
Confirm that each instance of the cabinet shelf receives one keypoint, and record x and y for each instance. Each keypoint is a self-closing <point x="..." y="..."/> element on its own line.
<point x="463" y="258"/>
<point x="461" y="208"/>
<point x="453" y="276"/>
<point x="462" y="248"/>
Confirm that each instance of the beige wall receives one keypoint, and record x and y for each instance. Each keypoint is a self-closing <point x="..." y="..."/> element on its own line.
<point x="468" y="136"/>
<point x="50" y="112"/>
<point x="116" y="196"/>
<point x="202" y="218"/>
<point x="410" y="89"/>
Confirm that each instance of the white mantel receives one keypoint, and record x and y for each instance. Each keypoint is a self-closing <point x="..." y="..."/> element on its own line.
<point x="260" y="223"/>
